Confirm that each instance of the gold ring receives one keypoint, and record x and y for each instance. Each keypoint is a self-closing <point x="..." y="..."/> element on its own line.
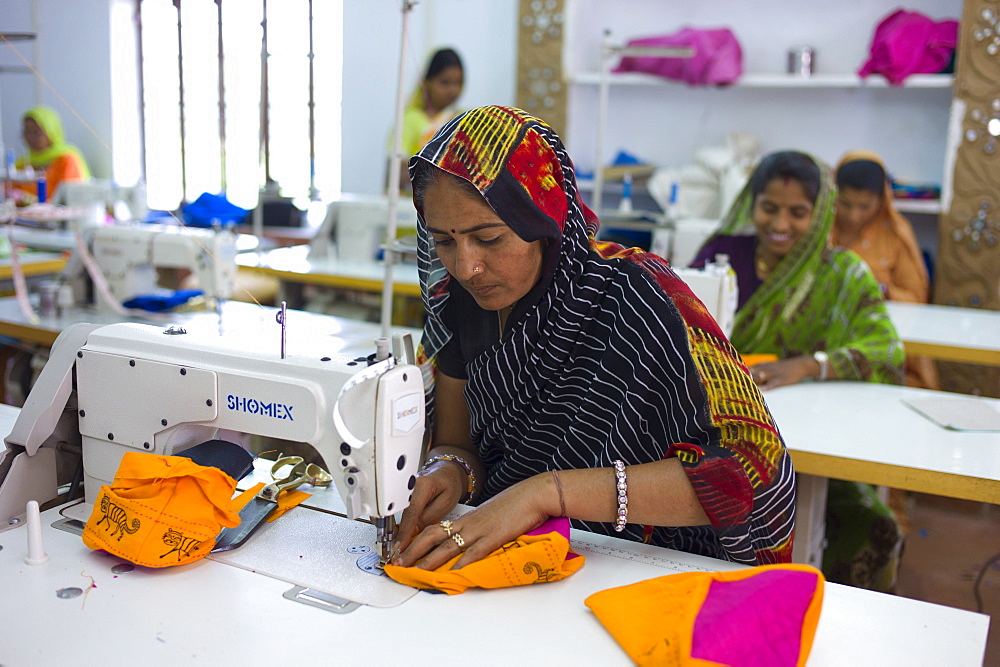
<point x="446" y="524"/>
<point x="457" y="539"/>
<point x="762" y="376"/>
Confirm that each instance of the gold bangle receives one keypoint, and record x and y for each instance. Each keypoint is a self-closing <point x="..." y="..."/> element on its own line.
<point x="562" y="502"/>
<point x="464" y="465"/>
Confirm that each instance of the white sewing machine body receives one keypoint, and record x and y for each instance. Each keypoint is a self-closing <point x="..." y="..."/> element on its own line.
<point x="140" y="389"/>
<point x="128" y="256"/>
<point x="716" y="286"/>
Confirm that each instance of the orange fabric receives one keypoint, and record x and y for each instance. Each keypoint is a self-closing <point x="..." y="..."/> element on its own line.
<point x="754" y="359"/>
<point x="66" y="167"/>
<point x="286" y="501"/>
<point x="530" y="559"/>
<point x="889" y="247"/>
<point x="654" y="620"/>
<point x="161" y="510"/>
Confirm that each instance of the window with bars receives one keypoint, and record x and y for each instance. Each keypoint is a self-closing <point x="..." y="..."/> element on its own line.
<point x="239" y="94"/>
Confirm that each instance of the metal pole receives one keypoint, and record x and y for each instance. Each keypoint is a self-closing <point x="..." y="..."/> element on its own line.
<point x="602" y="114"/>
<point x="397" y="156"/>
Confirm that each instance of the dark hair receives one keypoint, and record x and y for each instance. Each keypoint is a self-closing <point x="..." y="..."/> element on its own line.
<point x="785" y="165"/>
<point x="442" y="60"/>
<point x="425" y="174"/>
<point x="862" y="175"/>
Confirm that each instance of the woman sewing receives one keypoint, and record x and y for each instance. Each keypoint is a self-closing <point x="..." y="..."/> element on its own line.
<point x="432" y="103"/>
<point x="819" y="312"/>
<point x="868" y="223"/>
<point x="573" y="377"/>
<point x="49" y="153"/>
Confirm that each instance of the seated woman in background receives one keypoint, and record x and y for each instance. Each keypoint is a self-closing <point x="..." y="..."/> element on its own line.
<point x="431" y="105"/>
<point x="820" y="312"/>
<point x="573" y="377"/>
<point x="48" y="152"/>
<point x="868" y="223"/>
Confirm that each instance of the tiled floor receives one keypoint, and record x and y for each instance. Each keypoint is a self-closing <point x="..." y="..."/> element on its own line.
<point x="948" y="543"/>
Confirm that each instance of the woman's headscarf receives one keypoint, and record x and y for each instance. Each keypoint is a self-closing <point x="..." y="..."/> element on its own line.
<point x="609" y="357"/>
<point x="48" y="120"/>
<point x="899" y="225"/>
<point x="794" y="276"/>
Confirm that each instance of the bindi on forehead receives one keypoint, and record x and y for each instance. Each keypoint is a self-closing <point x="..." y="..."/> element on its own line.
<point x="453" y="231"/>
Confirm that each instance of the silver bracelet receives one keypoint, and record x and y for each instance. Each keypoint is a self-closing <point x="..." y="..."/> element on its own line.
<point x="464" y="465"/>
<point x="621" y="485"/>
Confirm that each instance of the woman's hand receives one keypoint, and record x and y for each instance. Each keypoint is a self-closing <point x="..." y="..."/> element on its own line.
<point x="783" y="372"/>
<point x="501" y="519"/>
<point x="436" y="492"/>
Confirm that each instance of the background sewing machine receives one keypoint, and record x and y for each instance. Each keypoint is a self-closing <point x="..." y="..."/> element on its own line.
<point x="111" y="389"/>
<point x="126" y="259"/>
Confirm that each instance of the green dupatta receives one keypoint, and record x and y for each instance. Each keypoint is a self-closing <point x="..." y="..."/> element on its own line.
<point x="817" y="298"/>
<point x="48" y="119"/>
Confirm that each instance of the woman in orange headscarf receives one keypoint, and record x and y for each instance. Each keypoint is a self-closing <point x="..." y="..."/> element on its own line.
<point x="868" y="223"/>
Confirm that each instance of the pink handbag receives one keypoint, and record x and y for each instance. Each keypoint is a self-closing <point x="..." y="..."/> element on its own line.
<point x="908" y="43"/>
<point x="717" y="60"/>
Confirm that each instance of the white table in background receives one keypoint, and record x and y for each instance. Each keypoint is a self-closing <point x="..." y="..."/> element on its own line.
<point x="863" y="432"/>
<point x="947" y="333"/>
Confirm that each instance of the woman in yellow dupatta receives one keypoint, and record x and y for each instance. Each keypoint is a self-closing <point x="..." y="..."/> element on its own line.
<point x="48" y="151"/>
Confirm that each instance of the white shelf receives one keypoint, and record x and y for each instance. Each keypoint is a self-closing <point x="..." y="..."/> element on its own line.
<point x="765" y="80"/>
<point x="929" y="206"/>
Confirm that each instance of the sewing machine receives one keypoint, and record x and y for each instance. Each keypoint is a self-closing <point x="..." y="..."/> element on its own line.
<point x="716" y="286"/>
<point x="125" y="387"/>
<point x="128" y="256"/>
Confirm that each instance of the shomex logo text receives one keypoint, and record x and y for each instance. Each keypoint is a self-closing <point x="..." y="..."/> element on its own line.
<point x="255" y="407"/>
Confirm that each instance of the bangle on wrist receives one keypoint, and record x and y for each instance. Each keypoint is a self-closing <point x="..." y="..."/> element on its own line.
<point x="621" y="489"/>
<point x="562" y="501"/>
<point x="463" y="464"/>
<point x="823" y="359"/>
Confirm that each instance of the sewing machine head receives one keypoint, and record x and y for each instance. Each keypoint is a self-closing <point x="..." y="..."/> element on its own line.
<point x="143" y="388"/>
<point x="128" y="257"/>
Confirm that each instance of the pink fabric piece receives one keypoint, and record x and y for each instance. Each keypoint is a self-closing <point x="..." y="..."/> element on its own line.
<point x="908" y="43"/>
<point x="754" y="621"/>
<point x="555" y="524"/>
<point x="717" y="60"/>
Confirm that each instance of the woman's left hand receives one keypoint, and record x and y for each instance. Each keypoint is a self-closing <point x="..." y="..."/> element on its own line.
<point x="483" y="530"/>
<point x="783" y="372"/>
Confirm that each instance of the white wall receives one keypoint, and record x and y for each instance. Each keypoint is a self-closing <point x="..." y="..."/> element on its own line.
<point x="664" y="125"/>
<point x="72" y="53"/>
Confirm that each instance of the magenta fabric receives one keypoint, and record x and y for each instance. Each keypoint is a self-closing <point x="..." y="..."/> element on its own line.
<point x="717" y="60"/>
<point x="555" y="525"/>
<point x="908" y="43"/>
<point x="754" y="621"/>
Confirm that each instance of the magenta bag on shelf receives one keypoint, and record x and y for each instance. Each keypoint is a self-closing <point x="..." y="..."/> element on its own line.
<point x="717" y="60"/>
<point x="908" y="43"/>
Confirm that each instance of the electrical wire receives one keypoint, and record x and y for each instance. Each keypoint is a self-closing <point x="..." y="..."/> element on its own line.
<point x="979" y="580"/>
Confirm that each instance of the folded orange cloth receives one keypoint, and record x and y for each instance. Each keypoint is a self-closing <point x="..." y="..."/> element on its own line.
<point x="765" y="615"/>
<point x="161" y="510"/>
<point x="754" y="359"/>
<point x="286" y="501"/>
<point x="540" y="556"/>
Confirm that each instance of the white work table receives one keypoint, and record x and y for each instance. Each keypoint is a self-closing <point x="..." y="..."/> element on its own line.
<point x="862" y="431"/>
<point x="213" y="612"/>
<point x="350" y="336"/>
<point x="948" y="333"/>
<point x="299" y="264"/>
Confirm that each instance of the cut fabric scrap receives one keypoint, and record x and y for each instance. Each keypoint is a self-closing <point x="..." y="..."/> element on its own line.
<point x="765" y="615"/>
<point x="540" y="556"/>
<point x="717" y="59"/>
<point x="908" y="43"/>
<point x="161" y="510"/>
<point x="754" y="359"/>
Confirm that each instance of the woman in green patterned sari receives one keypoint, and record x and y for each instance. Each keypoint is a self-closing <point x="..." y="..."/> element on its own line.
<point x="820" y="313"/>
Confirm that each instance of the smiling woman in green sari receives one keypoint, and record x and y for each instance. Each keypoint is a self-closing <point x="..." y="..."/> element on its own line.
<point x="819" y="312"/>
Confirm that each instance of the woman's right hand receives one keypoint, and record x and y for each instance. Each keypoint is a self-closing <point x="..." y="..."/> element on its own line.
<point x="436" y="492"/>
